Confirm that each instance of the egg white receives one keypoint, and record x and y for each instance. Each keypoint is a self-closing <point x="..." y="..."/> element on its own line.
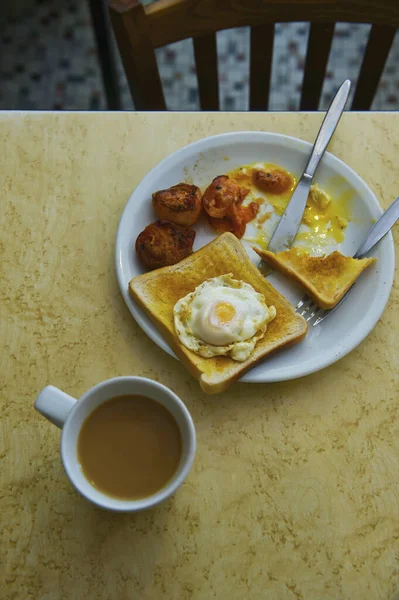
<point x="199" y="328"/>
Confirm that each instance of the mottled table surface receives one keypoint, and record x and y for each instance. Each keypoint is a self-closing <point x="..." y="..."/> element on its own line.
<point x="294" y="494"/>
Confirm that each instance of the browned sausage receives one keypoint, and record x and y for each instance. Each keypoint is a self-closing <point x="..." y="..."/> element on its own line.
<point x="222" y="203"/>
<point x="222" y="195"/>
<point x="274" y="181"/>
<point x="237" y="220"/>
<point x="163" y="243"/>
<point x="180" y="204"/>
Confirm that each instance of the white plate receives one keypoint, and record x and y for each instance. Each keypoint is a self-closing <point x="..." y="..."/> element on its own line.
<point x="209" y="157"/>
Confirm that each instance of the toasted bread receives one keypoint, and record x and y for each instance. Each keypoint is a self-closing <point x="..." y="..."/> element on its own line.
<point x="325" y="278"/>
<point x="158" y="291"/>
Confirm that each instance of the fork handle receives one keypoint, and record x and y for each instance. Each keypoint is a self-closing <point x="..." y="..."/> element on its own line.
<point x="379" y="229"/>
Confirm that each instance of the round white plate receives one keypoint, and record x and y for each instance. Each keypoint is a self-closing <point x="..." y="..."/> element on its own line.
<point x="199" y="163"/>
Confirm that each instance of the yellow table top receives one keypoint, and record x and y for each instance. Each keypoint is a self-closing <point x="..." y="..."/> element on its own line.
<point x="294" y="493"/>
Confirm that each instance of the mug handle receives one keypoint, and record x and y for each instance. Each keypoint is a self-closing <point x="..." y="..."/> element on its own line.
<point x="54" y="404"/>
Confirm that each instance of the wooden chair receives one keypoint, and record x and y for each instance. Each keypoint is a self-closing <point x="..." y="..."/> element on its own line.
<point x="106" y="54"/>
<point x="139" y="31"/>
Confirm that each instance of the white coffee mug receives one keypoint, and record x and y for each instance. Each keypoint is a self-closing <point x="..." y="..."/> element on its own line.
<point x="69" y="414"/>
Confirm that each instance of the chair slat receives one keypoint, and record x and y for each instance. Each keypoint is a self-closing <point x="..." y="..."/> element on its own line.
<point x="140" y="30"/>
<point x="206" y="61"/>
<point x="377" y="50"/>
<point x="318" y="51"/>
<point x="261" y="57"/>
<point x="129" y="22"/>
<point x="173" y="20"/>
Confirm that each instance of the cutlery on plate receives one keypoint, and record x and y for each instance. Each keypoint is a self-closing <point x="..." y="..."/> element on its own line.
<point x="287" y="228"/>
<point x="307" y="308"/>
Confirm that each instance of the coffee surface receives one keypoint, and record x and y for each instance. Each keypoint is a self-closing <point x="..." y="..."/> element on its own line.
<point x="129" y="447"/>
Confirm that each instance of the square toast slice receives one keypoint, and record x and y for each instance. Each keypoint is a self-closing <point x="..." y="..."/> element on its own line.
<point x="158" y="291"/>
<point x="325" y="278"/>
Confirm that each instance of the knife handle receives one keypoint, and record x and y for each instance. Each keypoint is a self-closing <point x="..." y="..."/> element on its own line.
<point x="327" y="129"/>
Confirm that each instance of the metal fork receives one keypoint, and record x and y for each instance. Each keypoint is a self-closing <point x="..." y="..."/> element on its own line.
<point x="307" y="308"/>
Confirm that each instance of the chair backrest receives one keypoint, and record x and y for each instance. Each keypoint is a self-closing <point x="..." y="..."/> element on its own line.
<point x="140" y="30"/>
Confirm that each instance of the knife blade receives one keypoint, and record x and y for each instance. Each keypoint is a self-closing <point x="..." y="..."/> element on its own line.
<point x="287" y="228"/>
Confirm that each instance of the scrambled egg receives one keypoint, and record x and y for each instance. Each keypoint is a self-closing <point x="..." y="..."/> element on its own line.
<point x="324" y="221"/>
<point x="319" y="197"/>
<point x="324" y="217"/>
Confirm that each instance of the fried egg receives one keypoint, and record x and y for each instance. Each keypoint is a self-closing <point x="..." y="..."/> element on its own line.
<point x="222" y="316"/>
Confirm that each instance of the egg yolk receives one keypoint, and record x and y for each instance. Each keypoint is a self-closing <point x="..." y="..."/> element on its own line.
<point x="217" y="323"/>
<point x="224" y="313"/>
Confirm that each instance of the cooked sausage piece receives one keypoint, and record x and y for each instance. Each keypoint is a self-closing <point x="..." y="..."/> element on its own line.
<point x="237" y="220"/>
<point x="222" y="195"/>
<point x="163" y="243"/>
<point x="180" y="204"/>
<point x="274" y="181"/>
<point x="222" y="202"/>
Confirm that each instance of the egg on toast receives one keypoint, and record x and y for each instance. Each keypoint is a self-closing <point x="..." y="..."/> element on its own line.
<point x="157" y="292"/>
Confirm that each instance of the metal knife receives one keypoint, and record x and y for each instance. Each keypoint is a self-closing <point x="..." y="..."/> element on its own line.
<point x="286" y="230"/>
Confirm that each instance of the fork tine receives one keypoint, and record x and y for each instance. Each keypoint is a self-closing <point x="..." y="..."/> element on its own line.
<point x="306" y="307"/>
<point x="307" y="304"/>
<point x="323" y="314"/>
<point x="301" y="302"/>
<point x="314" y="312"/>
